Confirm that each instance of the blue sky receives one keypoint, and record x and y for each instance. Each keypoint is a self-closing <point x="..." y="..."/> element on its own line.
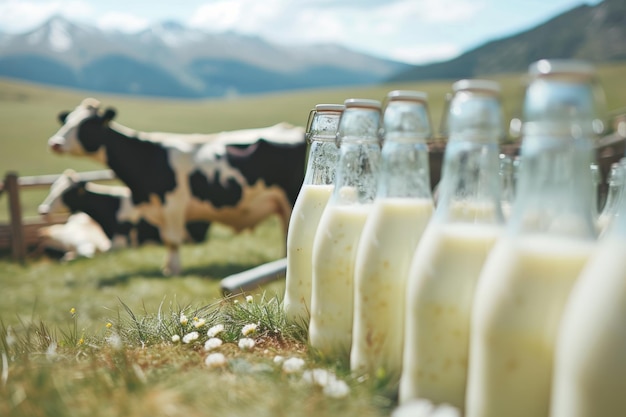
<point x="414" y="31"/>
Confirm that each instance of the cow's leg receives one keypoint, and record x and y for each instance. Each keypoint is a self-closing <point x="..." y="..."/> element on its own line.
<point x="173" y="233"/>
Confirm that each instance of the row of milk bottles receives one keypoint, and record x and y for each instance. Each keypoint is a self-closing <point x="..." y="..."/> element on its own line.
<point x="516" y="318"/>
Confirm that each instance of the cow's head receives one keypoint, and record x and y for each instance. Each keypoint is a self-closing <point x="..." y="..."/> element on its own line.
<point x="65" y="187"/>
<point x="82" y="130"/>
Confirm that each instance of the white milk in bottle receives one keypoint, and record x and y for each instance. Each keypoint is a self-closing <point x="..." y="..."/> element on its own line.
<point x="590" y="356"/>
<point x="401" y="210"/>
<point x="307" y="210"/>
<point x="340" y="227"/>
<point x="527" y="278"/>
<point x="448" y="259"/>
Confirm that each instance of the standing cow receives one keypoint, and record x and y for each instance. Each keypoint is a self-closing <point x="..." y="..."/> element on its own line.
<point x="173" y="180"/>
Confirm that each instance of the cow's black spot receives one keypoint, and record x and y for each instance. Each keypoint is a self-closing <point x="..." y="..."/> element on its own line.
<point x="102" y="208"/>
<point x="198" y="230"/>
<point x="281" y="164"/>
<point x="214" y="192"/>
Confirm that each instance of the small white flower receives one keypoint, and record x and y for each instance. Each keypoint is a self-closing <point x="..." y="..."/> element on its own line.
<point x="190" y="337"/>
<point x="293" y="365"/>
<point x="176" y="338"/>
<point x="248" y="329"/>
<point x="199" y="323"/>
<point x="215" y="360"/>
<point x="318" y="376"/>
<point x="246" y="343"/>
<point x="115" y="341"/>
<point x="212" y="343"/>
<point x="183" y="319"/>
<point x="336" y="389"/>
<point x="249" y="299"/>
<point x="215" y="330"/>
<point x="414" y="408"/>
<point x="278" y="359"/>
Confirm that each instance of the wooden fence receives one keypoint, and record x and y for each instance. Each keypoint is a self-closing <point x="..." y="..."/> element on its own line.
<point x="20" y="232"/>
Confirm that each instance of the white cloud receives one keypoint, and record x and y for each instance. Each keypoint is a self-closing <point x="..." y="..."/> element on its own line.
<point x="123" y="22"/>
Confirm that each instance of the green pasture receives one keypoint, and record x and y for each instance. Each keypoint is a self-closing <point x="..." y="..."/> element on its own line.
<point x="94" y="337"/>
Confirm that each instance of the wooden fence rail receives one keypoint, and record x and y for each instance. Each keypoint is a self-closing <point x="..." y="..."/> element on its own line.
<point x="20" y="233"/>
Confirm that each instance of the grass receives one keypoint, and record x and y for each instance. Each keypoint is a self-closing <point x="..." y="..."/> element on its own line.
<point x="94" y="337"/>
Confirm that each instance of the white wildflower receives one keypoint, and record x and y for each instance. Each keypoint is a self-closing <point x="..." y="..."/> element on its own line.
<point x="278" y="359"/>
<point x="183" y="319"/>
<point x="318" y="376"/>
<point x="115" y="341"/>
<point x="199" y="323"/>
<point x="249" y="299"/>
<point x="215" y="330"/>
<point x="245" y="343"/>
<point x="212" y="343"/>
<point x="176" y="338"/>
<point x="190" y="337"/>
<point x="215" y="360"/>
<point x="336" y="389"/>
<point x="414" y="408"/>
<point x="51" y="352"/>
<point x="248" y="329"/>
<point x="293" y="365"/>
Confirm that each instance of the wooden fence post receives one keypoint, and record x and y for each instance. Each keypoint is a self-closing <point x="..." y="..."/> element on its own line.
<point x="18" y="244"/>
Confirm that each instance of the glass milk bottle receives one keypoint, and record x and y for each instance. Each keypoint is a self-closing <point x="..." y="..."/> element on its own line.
<point x="610" y="209"/>
<point x="339" y="230"/>
<point x="450" y="255"/>
<point x="528" y="276"/>
<point x="590" y="356"/>
<point x="401" y="210"/>
<point x="507" y="184"/>
<point x="307" y="210"/>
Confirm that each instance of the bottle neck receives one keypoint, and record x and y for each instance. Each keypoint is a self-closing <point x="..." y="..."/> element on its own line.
<point x="554" y="179"/>
<point x="322" y="162"/>
<point x="357" y="173"/>
<point x="405" y="170"/>
<point x="469" y="190"/>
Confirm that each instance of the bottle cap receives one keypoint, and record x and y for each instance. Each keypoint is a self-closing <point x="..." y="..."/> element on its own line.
<point x="476" y="85"/>
<point x="407" y="95"/>
<point x="329" y="107"/>
<point x="560" y="66"/>
<point x="363" y="102"/>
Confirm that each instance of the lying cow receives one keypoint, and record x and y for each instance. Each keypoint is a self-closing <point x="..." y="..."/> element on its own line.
<point x="112" y="208"/>
<point x="173" y="180"/>
<point x="80" y="236"/>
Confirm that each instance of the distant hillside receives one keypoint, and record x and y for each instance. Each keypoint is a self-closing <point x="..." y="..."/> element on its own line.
<point x="170" y="60"/>
<point x="593" y="33"/>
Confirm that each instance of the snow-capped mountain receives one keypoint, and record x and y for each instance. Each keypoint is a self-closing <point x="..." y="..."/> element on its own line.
<point x="169" y="59"/>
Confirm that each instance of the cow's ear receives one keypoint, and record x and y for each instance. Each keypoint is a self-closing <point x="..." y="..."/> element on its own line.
<point x="62" y="116"/>
<point x="109" y="114"/>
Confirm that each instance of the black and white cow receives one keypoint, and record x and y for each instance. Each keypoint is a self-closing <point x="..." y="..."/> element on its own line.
<point x="223" y="179"/>
<point x="112" y="209"/>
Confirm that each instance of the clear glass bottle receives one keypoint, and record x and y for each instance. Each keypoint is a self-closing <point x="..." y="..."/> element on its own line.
<point x="610" y="209"/>
<point x="590" y="355"/>
<point x="448" y="259"/>
<point x="316" y="188"/>
<point x="401" y="210"/>
<point x="339" y="230"/>
<point x="528" y="276"/>
<point x="507" y="184"/>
